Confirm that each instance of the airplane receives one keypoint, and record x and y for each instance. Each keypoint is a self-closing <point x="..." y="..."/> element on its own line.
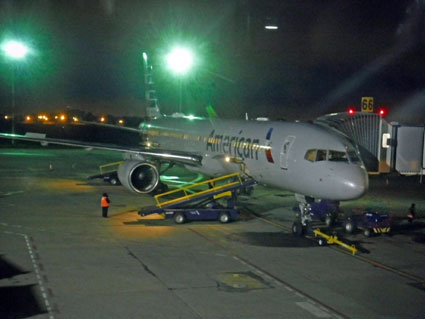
<point x="308" y="159"/>
<point x="311" y="160"/>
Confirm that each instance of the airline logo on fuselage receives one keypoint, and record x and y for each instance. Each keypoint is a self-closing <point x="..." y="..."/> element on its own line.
<point x="238" y="146"/>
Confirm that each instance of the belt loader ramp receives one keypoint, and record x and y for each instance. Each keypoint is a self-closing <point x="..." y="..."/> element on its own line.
<point x="199" y="201"/>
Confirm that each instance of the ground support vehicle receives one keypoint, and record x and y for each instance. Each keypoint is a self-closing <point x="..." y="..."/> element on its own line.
<point x="201" y="201"/>
<point x="210" y="210"/>
<point x="109" y="173"/>
<point x="369" y="222"/>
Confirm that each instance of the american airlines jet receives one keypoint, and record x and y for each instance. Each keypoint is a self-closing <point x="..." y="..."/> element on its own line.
<point x="308" y="159"/>
<point x="305" y="158"/>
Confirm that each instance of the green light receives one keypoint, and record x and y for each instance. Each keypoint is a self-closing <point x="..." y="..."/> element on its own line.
<point x="180" y="60"/>
<point x="145" y="56"/>
<point x="211" y="112"/>
<point x="15" y="50"/>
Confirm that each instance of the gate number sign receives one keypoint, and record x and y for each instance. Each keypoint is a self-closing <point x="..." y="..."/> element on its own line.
<point x="367" y="104"/>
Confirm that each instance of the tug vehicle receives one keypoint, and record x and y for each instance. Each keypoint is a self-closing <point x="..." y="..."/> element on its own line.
<point x="369" y="222"/>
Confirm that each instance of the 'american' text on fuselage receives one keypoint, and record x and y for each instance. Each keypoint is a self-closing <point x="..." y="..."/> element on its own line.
<point x="237" y="146"/>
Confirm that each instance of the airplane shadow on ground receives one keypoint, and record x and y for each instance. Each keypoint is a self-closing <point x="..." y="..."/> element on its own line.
<point x="271" y="239"/>
<point x="17" y="301"/>
<point x="151" y="222"/>
<point x="8" y="269"/>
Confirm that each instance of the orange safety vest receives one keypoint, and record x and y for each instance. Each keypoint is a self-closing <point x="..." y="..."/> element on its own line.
<point x="104" y="202"/>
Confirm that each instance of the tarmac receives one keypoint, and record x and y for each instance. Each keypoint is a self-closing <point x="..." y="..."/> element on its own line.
<point x="60" y="259"/>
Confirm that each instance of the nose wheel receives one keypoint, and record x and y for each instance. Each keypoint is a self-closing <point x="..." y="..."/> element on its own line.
<point x="297" y="229"/>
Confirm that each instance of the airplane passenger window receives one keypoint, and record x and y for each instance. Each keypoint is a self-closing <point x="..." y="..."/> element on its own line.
<point x="310" y="155"/>
<point x="321" y="155"/>
<point x="336" y="156"/>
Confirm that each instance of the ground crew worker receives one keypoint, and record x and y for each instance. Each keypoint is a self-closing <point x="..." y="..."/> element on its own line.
<point x="104" y="203"/>
<point x="412" y="213"/>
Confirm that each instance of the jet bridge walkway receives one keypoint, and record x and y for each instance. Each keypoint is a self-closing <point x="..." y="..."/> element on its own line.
<point x="198" y="201"/>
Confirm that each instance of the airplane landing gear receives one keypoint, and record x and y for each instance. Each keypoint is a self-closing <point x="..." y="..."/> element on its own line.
<point x="297" y="229"/>
<point x="303" y="217"/>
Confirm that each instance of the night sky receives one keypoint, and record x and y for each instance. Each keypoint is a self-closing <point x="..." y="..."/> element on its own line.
<point x="324" y="57"/>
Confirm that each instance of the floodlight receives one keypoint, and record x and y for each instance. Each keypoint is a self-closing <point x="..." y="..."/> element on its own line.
<point x="15" y="49"/>
<point x="180" y="60"/>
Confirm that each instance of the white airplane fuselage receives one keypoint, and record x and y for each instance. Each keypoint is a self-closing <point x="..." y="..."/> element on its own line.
<point x="286" y="155"/>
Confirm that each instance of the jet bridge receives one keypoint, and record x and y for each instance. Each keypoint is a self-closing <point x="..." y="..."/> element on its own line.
<point x="384" y="147"/>
<point x="199" y="201"/>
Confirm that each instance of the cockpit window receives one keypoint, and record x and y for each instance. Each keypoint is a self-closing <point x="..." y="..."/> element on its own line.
<point x="321" y="155"/>
<point x="310" y="155"/>
<point x="333" y="156"/>
<point x="315" y="155"/>
<point x="336" y="156"/>
<point x="354" y="158"/>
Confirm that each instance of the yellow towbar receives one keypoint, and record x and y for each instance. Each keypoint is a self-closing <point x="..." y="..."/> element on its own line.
<point x="334" y="240"/>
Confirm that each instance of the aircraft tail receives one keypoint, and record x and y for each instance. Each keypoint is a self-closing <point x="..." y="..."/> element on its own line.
<point x="152" y="108"/>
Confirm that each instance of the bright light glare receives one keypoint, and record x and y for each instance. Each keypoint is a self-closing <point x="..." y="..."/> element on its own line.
<point x="271" y="27"/>
<point x="15" y="49"/>
<point x="191" y="117"/>
<point x="180" y="60"/>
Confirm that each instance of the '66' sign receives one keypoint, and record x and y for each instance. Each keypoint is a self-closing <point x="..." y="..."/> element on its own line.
<point x="367" y="104"/>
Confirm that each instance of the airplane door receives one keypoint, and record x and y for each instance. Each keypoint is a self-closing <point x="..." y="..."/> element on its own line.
<point x="284" y="152"/>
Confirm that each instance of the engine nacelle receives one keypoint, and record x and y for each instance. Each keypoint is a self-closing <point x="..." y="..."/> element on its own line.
<point x="139" y="177"/>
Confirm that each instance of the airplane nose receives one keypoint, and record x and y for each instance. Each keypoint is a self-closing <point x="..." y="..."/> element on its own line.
<point x="351" y="182"/>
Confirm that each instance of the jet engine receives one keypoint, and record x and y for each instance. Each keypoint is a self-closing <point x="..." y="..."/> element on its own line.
<point x="137" y="176"/>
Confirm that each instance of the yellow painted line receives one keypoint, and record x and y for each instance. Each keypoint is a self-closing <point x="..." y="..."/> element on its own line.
<point x="275" y="224"/>
<point x="383" y="266"/>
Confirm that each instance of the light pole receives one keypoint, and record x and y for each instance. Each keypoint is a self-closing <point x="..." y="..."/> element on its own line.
<point x="180" y="60"/>
<point x="15" y="51"/>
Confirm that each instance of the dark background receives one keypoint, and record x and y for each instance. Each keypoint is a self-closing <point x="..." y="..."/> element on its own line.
<point x="324" y="57"/>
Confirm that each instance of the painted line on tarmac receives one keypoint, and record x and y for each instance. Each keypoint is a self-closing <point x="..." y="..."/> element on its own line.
<point x="10" y="193"/>
<point x="36" y="265"/>
<point x="386" y="267"/>
<point x="33" y="257"/>
<point x="313" y="309"/>
<point x="331" y="312"/>
<point x="23" y="227"/>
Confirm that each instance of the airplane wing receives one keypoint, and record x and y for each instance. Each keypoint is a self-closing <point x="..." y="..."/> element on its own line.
<point x="119" y="127"/>
<point x="192" y="159"/>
